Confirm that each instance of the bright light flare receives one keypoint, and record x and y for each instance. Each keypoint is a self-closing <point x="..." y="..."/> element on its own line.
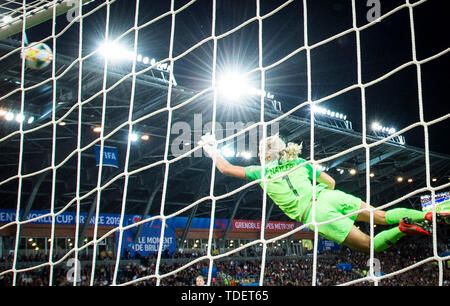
<point x="9" y="116"/>
<point x="7" y="19"/>
<point x="326" y="112"/>
<point x="20" y="117"/>
<point x="234" y="86"/>
<point x="134" y="137"/>
<point x="97" y="129"/>
<point x="377" y="127"/>
<point x="115" y="51"/>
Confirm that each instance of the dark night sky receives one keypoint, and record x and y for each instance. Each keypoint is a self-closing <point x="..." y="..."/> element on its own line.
<point x="384" y="46"/>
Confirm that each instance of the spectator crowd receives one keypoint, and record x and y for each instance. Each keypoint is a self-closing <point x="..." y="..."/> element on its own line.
<point x="240" y="270"/>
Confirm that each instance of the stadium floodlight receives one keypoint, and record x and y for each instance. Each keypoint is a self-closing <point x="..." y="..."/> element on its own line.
<point x="233" y="85"/>
<point x="97" y="129"/>
<point x="377" y="127"/>
<point x="328" y="112"/>
<point x="145" y="137"/>
<point x="20" y="117"/>
<point x="7" y="19"/>
<point x="383" y="131"/>
<point x="9" y="116"/>
<point x="134" y="137"/>
<point x="115" y="51"/>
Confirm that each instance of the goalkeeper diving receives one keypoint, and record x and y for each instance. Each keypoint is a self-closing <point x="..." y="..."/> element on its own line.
<point x="293" y="193"/>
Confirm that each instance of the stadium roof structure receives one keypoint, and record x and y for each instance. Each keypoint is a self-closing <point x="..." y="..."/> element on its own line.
<point x="188" y="178"/>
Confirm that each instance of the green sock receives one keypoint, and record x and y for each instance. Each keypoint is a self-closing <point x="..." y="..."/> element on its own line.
<point x="386" y="239"/>
<point x="395" y="215"/>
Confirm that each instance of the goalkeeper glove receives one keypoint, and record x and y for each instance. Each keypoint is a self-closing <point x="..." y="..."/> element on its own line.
<point x="208" y="141"/>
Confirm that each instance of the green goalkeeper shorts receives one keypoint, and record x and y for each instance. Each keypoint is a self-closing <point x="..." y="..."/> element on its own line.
<point x="332" y="204"/>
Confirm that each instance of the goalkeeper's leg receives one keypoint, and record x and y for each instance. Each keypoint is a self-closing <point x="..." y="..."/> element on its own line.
<point x="394" y="216"/>
<point x="334" y="203"/>
<point x="410" y="222"/>
<point x="358" y="240"/>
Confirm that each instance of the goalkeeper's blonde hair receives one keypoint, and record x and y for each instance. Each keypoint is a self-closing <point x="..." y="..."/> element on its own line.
<point x="276" y="149"/>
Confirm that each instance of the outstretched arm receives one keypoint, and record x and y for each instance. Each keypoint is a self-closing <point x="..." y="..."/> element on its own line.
<point x="228" y="169"/>
<point x="207" y="141"/>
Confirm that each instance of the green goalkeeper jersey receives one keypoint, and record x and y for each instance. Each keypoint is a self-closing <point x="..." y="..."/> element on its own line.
<point x="291" y="192"/>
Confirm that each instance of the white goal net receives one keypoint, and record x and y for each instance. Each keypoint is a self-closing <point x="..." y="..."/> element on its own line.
<point x="102" y="177"/>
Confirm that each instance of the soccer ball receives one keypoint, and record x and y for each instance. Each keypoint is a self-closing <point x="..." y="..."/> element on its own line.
<point x="37" y="56"/>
